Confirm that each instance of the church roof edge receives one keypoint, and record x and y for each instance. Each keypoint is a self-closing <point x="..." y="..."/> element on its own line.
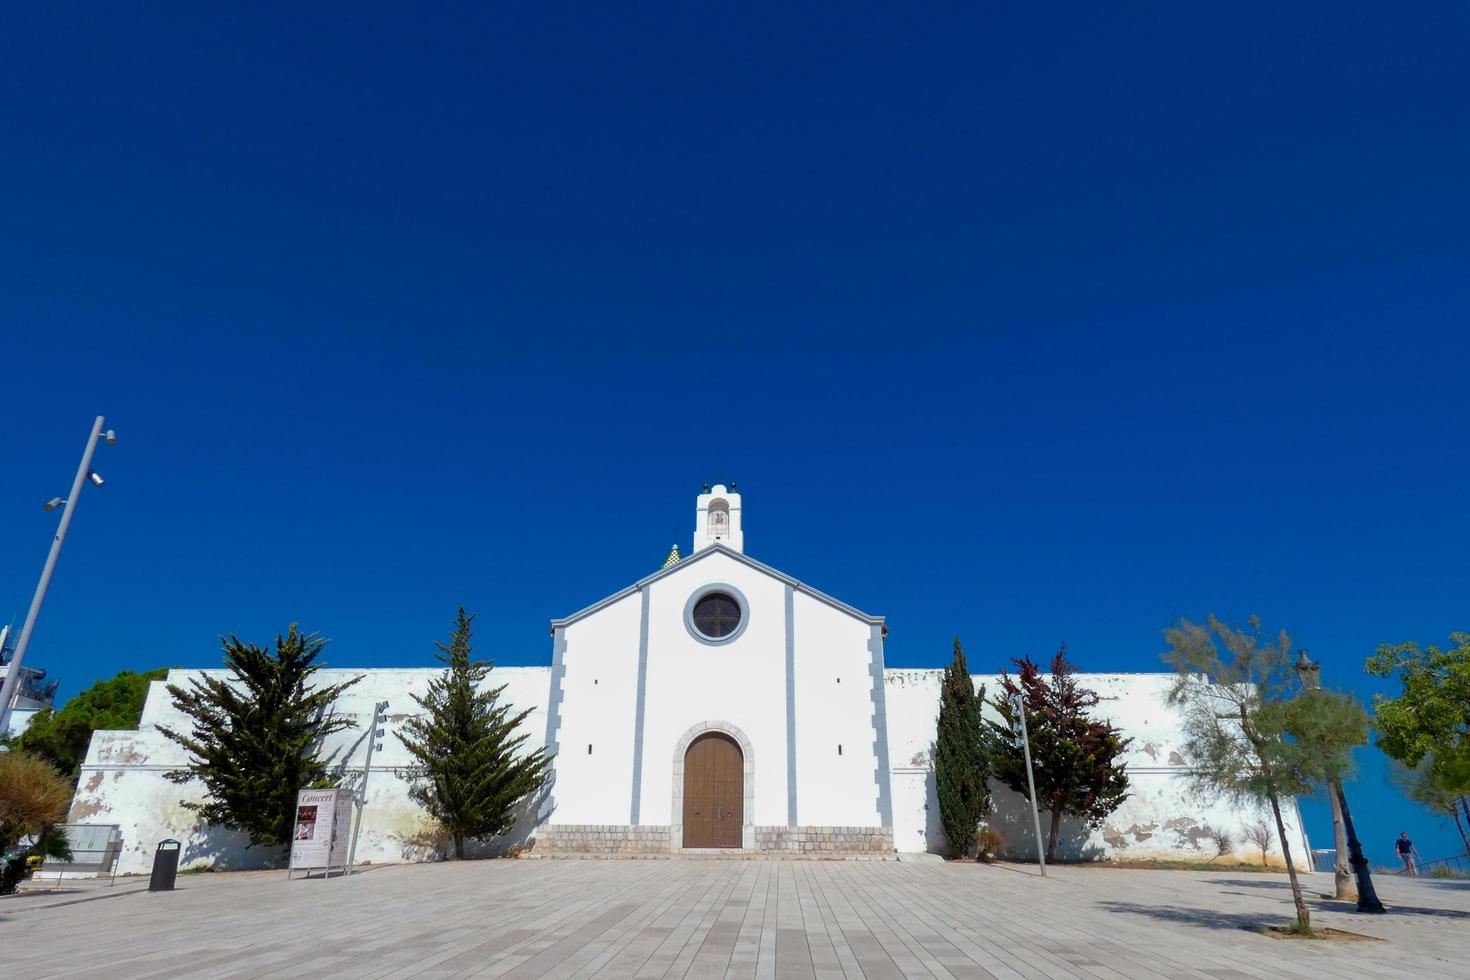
<point x="696" y="558"/>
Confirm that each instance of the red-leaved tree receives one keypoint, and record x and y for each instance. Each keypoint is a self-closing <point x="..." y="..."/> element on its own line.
<point x="1077" y="758"/>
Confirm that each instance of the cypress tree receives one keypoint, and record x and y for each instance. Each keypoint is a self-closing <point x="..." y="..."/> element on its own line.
<point x="256" y="736"/>
<point x="961" y="765"/>
<point x="472" y="774"/>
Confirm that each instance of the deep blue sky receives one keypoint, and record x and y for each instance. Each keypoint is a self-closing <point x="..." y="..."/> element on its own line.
<point x="1027" y="324"/>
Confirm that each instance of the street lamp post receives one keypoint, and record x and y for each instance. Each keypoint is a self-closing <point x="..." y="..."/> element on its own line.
<point x="374" y="733"/>
<point x="1310" y="674"/>
<point x="84" y="473"/>
<point x="1020" y="704"/>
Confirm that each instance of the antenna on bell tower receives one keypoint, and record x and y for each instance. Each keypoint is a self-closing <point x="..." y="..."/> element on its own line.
<point x="717" y="518"/>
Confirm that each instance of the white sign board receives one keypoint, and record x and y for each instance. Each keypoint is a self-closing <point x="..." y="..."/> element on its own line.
<point x="322" y="828"/>
<point x="341" y="829"/>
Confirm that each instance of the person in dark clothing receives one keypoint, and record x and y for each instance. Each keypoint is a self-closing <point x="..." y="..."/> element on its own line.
<point x="1408" y="853"/>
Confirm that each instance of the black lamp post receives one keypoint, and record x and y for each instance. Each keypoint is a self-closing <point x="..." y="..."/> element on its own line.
<point x="1310" y="674"/>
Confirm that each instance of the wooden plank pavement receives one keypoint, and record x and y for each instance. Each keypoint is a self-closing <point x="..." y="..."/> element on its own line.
<point x="765" y="919"/>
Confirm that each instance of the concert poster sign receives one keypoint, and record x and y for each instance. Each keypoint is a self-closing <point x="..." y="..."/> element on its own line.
<point x="320" y="831"/>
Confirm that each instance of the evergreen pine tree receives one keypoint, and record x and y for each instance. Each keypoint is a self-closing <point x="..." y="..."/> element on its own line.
<point x="471" y="778"/>
<point x="256" y="736"/>
<point x="961" y="765"/>
<point x="1076" y="758"/>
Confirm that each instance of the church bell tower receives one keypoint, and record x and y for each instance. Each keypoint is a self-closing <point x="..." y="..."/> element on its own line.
<point x="717" y="518"/>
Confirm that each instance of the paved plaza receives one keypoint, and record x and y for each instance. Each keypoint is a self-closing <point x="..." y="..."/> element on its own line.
<point x="694" y="918"/>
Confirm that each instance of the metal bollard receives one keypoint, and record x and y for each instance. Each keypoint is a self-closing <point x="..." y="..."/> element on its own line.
<point x="165" y="866"/>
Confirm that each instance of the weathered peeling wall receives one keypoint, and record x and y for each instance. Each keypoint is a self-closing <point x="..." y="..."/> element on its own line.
<point x="123" y="779"/>
<point x="123" y="782"/>
<point x="1161" y="820"/>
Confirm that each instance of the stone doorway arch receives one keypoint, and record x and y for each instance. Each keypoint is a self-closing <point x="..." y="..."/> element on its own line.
<point x="681" y="749"/>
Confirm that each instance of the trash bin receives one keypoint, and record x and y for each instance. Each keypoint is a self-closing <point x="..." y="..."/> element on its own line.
<point x="165" y="866"/>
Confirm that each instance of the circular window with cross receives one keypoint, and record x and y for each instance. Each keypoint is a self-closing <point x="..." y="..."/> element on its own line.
<point x="716" y="614"/>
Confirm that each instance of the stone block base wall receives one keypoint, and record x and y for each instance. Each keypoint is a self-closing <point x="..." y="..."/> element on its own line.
<point x="824" y="840"/>
<point x="613" y="840"/>
<point x="603" y="839"/>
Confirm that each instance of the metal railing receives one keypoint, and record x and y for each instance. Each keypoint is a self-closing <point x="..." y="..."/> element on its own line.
<point x="1450" y="867"/>
<point x="95" y="850"/>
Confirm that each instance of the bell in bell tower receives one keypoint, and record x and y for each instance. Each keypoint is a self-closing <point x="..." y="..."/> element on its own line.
<point x="717" y="518"/>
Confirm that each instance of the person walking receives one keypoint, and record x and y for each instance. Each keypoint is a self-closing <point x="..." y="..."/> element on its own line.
<point x="1408" y="853"/>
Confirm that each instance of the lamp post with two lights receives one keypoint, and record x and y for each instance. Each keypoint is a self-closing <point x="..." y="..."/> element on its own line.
<point x="85" y="473"/>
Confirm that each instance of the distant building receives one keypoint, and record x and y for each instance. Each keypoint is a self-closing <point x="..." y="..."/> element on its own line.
<point x="33" y="692"/>
<point x="716" y="704"/>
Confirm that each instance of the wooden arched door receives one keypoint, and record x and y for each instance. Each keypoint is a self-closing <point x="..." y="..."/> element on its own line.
<point x="714" y="792"/>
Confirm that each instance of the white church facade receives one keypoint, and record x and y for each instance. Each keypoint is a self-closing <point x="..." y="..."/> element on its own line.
<point x="719" y="674"/>
<point x="715" y="706"/>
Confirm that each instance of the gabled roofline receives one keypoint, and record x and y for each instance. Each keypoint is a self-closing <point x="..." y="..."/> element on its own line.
<point x="701" y="554"/>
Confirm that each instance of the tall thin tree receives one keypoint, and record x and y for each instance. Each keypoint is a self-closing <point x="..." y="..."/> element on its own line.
<point x="1423" y="786"/>
<point x="1321" y="729"/>
<point x="472" y="773"/>
<point x="1245" y="736"/>
<point x="961" y="766"/>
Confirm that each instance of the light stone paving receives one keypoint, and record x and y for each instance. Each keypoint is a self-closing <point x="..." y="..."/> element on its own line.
<point x="694" y="918"/>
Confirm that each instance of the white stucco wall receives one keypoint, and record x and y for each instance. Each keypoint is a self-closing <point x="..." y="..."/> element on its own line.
<point x="1161" y="820"/>
<point x="741" y="683"/>
<point x="834" y="707"/>
<point x="598" y="698"/>
<point x="688" y="684"/>
<point x="122" y="780"/>
<point x="840" y="695"/>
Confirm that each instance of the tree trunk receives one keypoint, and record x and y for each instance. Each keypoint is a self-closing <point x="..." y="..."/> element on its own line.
<point x="1303" y="915"/>
<point x="459" y="847"/>
<point x="1344" y="887"/>
<point x="1460" y="826"/>
<point x="1051" y="840"/>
